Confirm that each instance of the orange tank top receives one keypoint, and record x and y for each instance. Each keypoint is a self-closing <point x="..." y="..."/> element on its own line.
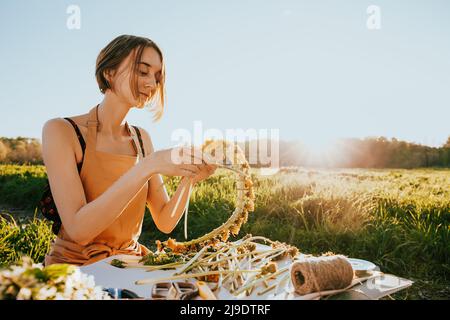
<point x="99" y="171"/>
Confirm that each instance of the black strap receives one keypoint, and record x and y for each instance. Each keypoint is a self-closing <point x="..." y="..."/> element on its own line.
<point x="81" y="140"/>
<point x="83" y="143"/>
<point x="140" y="140"/>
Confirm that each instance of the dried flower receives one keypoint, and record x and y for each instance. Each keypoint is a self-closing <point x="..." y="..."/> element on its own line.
<point x="270" y="267"/>
<point x="244" y="203"/>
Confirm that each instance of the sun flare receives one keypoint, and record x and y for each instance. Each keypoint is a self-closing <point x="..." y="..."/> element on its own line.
<point x="321" y="151"/>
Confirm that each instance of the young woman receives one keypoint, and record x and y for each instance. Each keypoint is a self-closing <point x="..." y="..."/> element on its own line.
<point x="103" y="172"/>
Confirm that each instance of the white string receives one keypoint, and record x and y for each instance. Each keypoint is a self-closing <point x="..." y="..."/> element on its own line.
<point x="178" y="202"/>
<point x="187" y="208"/>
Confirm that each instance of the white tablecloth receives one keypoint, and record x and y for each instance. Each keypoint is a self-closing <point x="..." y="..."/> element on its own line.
<point x="109" y="276"/>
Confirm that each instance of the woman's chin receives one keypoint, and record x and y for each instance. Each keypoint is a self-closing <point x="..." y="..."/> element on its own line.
<point x="139" y="104"/>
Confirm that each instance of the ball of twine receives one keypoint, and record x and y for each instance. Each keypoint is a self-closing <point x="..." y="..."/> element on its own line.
<point x="318" y="274"/>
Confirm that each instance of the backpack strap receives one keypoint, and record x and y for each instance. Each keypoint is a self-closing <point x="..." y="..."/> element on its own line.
<point x="80" y="139"/>
<point x="138" y="133"/>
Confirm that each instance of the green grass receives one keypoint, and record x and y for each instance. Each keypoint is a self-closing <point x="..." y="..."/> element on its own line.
<point x="21" y="186"/>
<point x="398" y="219"/>
<point x="19" y="237"/>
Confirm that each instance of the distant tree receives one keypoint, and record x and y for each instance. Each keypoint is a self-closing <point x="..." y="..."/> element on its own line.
<point x="447" y="144"/>
<point x="34" y="152"/>
<point x="20" y="150"/>
<point x="3" y="151"/>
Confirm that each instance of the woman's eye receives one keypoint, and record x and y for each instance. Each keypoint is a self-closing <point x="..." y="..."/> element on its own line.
<point x="143" y="73"/>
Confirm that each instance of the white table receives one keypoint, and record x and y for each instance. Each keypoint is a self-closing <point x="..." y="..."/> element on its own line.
<point x="109" y="276"/>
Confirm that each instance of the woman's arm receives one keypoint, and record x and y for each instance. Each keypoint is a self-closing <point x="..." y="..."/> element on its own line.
<point x="161" y="207"/>
<point x="84" y="221"/>
<point x="158" y="201"/>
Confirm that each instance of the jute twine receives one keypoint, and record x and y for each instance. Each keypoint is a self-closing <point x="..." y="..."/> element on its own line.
<point x="316" y="274"/>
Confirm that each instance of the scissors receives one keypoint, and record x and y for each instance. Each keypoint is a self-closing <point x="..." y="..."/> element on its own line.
<point x="118" y="293"/>
<point x="174" y="291"/>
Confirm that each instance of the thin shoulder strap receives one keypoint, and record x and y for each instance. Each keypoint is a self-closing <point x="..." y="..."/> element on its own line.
<point x="80" y="139"/>
<point x="92" y="125"/>
<point x="140" y="140"/>
<point x="79" y="135"/>
<point x="137" y="142"/>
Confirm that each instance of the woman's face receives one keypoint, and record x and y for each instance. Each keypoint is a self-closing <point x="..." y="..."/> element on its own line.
<point x="148" y="75"/>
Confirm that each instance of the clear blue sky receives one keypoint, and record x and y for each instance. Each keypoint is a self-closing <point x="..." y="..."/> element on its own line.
<point x="310" y="68"/>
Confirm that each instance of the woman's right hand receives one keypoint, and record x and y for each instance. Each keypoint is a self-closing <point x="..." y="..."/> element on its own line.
<point x="178" y="161"/>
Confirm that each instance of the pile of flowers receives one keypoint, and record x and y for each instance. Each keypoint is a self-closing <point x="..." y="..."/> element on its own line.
<point x="30" y="281"/>
<point x="240" y="266"/>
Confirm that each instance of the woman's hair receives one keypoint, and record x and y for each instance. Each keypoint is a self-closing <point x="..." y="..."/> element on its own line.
<point x="115" y="52"/>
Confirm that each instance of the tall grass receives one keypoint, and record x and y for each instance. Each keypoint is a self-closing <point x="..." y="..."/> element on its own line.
<point x="21" y="186"/>
<point x="398" y="219"/>
<point x="18" y="237"/>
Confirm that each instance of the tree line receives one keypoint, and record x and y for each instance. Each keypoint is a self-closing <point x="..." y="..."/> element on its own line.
<point x="20" y="150"/>
<point x="372" y="152"/>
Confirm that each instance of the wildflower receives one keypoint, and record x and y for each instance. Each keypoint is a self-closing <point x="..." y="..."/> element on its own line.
<point x="30" y="281"/>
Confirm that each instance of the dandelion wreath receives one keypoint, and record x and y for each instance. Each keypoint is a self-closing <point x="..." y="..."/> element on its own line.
<point x="229" y="156"/>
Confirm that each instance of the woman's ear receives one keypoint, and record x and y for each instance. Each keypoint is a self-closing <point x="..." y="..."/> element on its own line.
<point x="109" y="76"/>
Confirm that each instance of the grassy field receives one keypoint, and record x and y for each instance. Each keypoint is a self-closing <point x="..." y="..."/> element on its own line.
<point x="398" y="219"/>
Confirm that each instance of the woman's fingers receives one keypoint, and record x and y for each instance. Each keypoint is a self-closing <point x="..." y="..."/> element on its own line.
<point x="185" y="173"/>
<point x="191" y="167"/>
<point x="207" y="171"/>
<point x="190" y="161"/>
<point x="195" y="155"/>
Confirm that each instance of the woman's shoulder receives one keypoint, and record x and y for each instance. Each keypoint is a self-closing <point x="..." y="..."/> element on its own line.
<point x="63" y="128"/>
<point x="62" y="123"/>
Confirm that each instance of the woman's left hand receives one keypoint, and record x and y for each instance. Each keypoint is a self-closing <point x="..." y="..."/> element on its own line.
<point x="206" y="170"/>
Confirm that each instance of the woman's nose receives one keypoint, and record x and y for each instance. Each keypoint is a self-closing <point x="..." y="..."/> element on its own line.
<point x="150" y="85"/>
<point x="150" y="81"/>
